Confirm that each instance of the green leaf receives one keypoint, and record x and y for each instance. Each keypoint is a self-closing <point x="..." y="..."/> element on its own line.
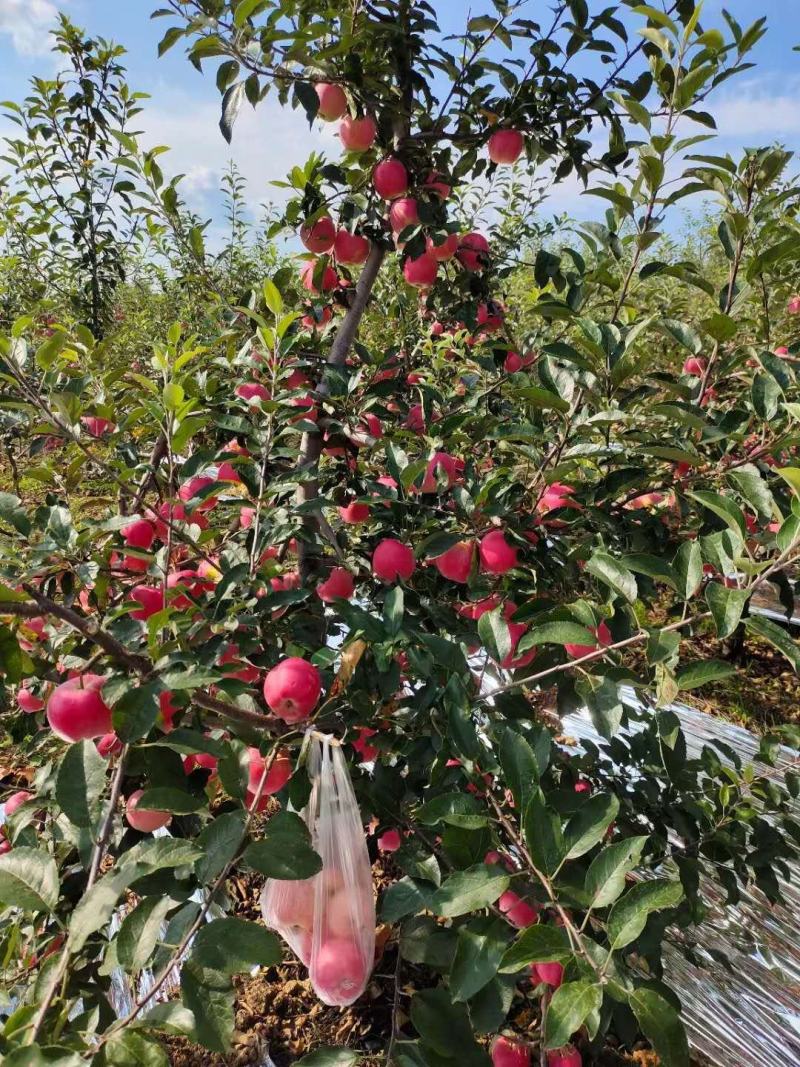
<point x="285" y="852"/>
<point x="466" y="891"/>
<point x="791" y="475"/>
<point x="556" y="633"/>
<point x="629" y="915"/>
<point x="766" y="395"/>
<point x="423" y="940"/>
<point x="776" y="636"/>
<point x="661" y="1025"/>
<point x="589" y="824"/>
<point x="272" y="297"/>
<point x="495" y="635"/>
<point x="446" y="1028"/>
<point x="329" y="1057"/>
<point x="219" y="841"/>
<point x="539" y="943"/>
<point x="454" y="809"/>
<point x="693" y="675"/>
<point x="166" y="798"/>
<point x="408" y="896"/>
<point x="683" y="334"/>
<point x="570" y="1006"/>
<point x="605" y="878"/>
<point x="480" y="947"/>
<point x="231" y="946"/>
<point x="231" y="103"/>
<point x="754" y="489"/>
<point x="132" y="1048"/>
<point x="520" y="768"/>
<point x="393" y="610"/>
<point x="211" y="1005"/>
<point x="688" y="569"/>
<point x="727" y="605"/>
<point x="614" y="573"/>
<point x="722" y="506"/>
<point x="140" y="931"/>
<point x="28" y="879"/>
<point x="653" y="566"/>
<point x="543" y="836"/>
<point x="80" y="782"/>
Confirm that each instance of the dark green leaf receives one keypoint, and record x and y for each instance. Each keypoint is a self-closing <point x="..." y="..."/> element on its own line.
<point x="570" y="1006"/>
<point x="80" y="782"/>
<point x="466" y="891"/>
<point x="589" y="824"/>
<point x="629" y="915"/>
<point x="231" y="946"/>
<point x="28" y="879"/>
<point x="662" y="1026"/>
<point x="479" y="949"/>
<point x="543" y="835"/>
<point x="539" y="943"/>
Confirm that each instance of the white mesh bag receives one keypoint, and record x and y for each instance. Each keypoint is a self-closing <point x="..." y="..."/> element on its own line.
<point x="329" y="920"/>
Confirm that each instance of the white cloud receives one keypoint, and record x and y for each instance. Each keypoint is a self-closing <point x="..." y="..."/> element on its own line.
<point x="267" y="142"/>
<point x="27" y="23"/>
<point x="759" y="108"/>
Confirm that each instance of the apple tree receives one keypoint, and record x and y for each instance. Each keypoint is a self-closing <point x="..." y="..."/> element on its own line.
<point x="384" y="493"/>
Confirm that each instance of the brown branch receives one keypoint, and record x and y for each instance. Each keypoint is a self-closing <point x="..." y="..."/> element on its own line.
<point x="57" y="977"/>
<point x="311" y="443"/>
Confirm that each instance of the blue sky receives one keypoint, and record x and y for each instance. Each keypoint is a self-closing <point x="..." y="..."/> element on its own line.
<point x="756" y="108"/>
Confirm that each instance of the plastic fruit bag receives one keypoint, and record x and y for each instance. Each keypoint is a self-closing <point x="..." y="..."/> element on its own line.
<point x="329" y="920"/>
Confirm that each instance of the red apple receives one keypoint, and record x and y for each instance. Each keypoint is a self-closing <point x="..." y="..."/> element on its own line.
<point x="392" y="560"/>
<point x="421" y="272"/>
<point x="550" y="973"/>
<point x="339" y="971"/>
<point x="604" y="638"/>
<point x="441" y="462"/>
<point x="358" y="134"/>
<point x="695" y="365"/>
<point x="510" y="1052"/>
<point x="144" y="820"/>
<point x="95" y="426"/>
<point x="366" y="751"/>
<point x="277" y="776"/>
<point x="518" y="911"/>
<point x="151" y="599"/>
<point x="456" y="562"/>
<point x="436" y="184"/>
<point x="390" y="841"/>
<point x="15" y="801"/>
<point x="506" y="146"/>
<point x="390" y="179"/>
<point x="332" y="101"/>
<point x="327" y="282"/>
<point x="75" y="709"/>
<point x="354" y="513"/>
<point x="250" y="391"/>
<point x="473" y="251"/>
<point x="443" y="251"/>
<point x="403" y="212"/>
<point x="28" y="701"/>
<point x="338" y="585"/>
<point x="497" y="555"/>
<point x="319" y="236"/>
<point x="351" y="248"/>
<point x="108" y="745"/>
<point x="139" y="534"/>
<point x="292" y="689"/>
<point x="567" y="1056"/>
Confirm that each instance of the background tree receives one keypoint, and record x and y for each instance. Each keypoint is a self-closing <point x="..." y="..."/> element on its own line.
<point x="523" y="512"/>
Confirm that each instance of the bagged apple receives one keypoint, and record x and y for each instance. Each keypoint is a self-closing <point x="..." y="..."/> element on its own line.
<point x="329" y="920"/>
